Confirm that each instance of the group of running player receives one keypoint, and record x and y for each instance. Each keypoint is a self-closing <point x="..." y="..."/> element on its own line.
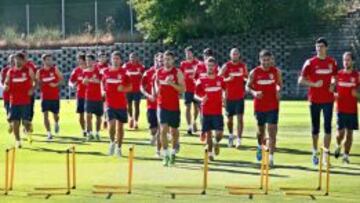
<point x="114" y="90"/>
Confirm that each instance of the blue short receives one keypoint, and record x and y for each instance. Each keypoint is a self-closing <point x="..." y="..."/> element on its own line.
<point x="94" y="107"/>
<point x="189" y="98"/>
<point x="152" y="118"/>
<point x="133" y="96"/>
<point x="80" y="105"/>
<point x="20" y="113"/>
<point x="269" y="117"/>
<point x="7" y="107"/>
<point x="234" y="107"/>
<point x="171" y="118"/>
<point x="315" y="111"/>
<point x="50" y="105"/>
<point x="348" y="121"/>
<point x="212" y="122"/>
<point x="117" y="114"/>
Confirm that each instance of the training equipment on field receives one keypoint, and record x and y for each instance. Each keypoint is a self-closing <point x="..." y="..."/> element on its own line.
<point x="192" y="190"/>
<point x="118" y="189"/>
<point x="264" y="180"/>
<point x="9" y="170"/>
<point x="301" y="191"/>
<point x="70" y="178"/>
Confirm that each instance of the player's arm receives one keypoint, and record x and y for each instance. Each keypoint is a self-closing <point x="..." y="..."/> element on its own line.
<point x="33" y="81"/>
<point x="7" y="81"/>
<point x="304" y="80"/>
<point x="142" y="86"/>
<point x="279" y="84"/>
<point x="199" y="92"/>
<point x="59" y="75"/>
<point x="222" y="73"/>
<point x="72" y="80"/>
<point x="127" y="87"/>
<point x="246" y="73"/>
<point x="180" y="85"/>
<point x="249" y="86"/>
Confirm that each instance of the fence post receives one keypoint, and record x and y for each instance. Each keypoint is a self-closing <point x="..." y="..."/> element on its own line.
<point x="63" y="17"/>
<point x="96" y="16"/>
<point x="27" y="10"/>
<point x="131" y="19"/>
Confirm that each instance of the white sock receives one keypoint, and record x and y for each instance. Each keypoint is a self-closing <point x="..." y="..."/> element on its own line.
<point x="165" y="152"/>
<point x="271" y="157"/>
<point x="346" y="156"/>
<point x="49" y="133"/>
<point x="173" y="151"/>
<point x="337" y="146"/>
<point x="259" y="147"/>
<point x="231" y="136"/>
<point x="189" y="127"/>
<point x="314" y="152"/>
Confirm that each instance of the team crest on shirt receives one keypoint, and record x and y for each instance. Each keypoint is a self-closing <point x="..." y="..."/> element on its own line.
<point x="330" y="66"/>
<point x="51" y="74"/>
<point x="24" y="74"/>
<point x="119" y="77"/>
<point x="271" y="76"/>
<point x="352" y="79"/>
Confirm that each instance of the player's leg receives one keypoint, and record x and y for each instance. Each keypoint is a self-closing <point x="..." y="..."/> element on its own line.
<point x="217" y="123"/>
<point x="98" y="127"/>
<point x="327" y="113"/>
<point x="98" y="111"/>
<point x="315" y="111"/>
<point x="7" y="110"/>
<point x="164" y="129"/>
<point x="47" y="125"/>
<point x="31" y="112"/>
<point x="230" y="112"/>
<point x="347" y="145"/>
<point x="196" y="114"/>
<point x="119" y="137"/>
<point x="55" y="110"/>
<point x="210" y="146"/>
<point x="80" y="109"/>
<point x="137" y="109"/>
<point x="111" y="131"/>
<point x="130" y="109"/>
<point x="187" y="102"/>
<point x="89" y="126"/>
<point x="240" y="121"/>
<point x="15" y="118"/>
<point x="340" y="134"/>
<point x="272" y="120"/>
<point x="175" y="143"/>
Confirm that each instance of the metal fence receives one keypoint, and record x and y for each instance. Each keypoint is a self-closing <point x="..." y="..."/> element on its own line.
<point x="67" y="16"/>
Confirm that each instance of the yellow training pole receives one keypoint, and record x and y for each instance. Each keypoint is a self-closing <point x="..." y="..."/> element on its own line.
<point x="262" y="168"/>
<point x="73" y="167"/>
<point x="327" y="174"/>
<point x="131" y="159"/>
<point x="206" y="162"/>
<point x="6" y="171"/>
<point x="68" y="170"/>
<point x="320" y="168"/>
<point x="12" y="168"/>
<point x="267" y="172"/>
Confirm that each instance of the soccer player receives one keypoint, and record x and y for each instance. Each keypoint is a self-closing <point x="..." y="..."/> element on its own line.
<point x="200" y="71"/>
<point x="169" y="82"/>
<point x="265" y="83"/>
<point x="76" y="80"/>
<point x="234" y="73"/>
<point x="135" y="70"/>
<point x="188" y="69"/>
<point x="317" y="74"/>
<point x="49" y="79"/>
<point x="93" y="97"/>
<point x="4" y="71"/>
<point x="115" y="84"/>
<point x="20" y="86"/>
<point x="347" y="86"/>
<point x="30" y="65"/>
<point x="147" y="86"/>
<point x="102" y="65"/>
<point x="209" y="91"/>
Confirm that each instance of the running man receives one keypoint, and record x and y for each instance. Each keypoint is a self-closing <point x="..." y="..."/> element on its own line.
<point x="19" y="83"/>
<point x="235" y="74"/>
<point x="30" y="65"/>
<point x="115" y="84"/>
<point x="135" y="70"/>
<point x="209" y="91"/>
<point x="6" y="98"/>
<point x="102" y="65"/>
<point x="49" y="79"/>
<point x="169" y="84"/>
<point x="147" y="86"/>
<point x="76" y="80"/>
<point x="265" y="83"/>
<point x="93" y="97"/>
<point x="188" y="69"/>
<point x="317" y="74"/>
<point x="347" y="86"/>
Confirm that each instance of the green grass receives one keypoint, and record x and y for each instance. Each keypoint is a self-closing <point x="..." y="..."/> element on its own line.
<point x="40" y="164"/>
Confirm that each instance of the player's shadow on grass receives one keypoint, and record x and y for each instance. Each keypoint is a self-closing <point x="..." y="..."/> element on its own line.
<point x="48" y="150"/>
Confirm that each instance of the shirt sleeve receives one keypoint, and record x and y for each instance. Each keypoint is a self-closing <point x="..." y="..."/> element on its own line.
<point x="199" y="89"/>
<point x="305" y="72"/>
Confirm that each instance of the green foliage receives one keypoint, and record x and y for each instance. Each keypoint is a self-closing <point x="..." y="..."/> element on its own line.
<point x="175" y="20"/>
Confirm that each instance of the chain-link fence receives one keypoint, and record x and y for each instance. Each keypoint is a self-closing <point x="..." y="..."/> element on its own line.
<point x="67" y="16"/>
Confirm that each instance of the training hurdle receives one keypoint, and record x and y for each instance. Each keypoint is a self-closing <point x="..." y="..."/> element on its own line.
<point x="9" y="170"/>
<point x="303" y="191"/>
<point x="70" y="178"/>
<point x="192" y="190"/>
<point x="263" y="189"/>
<point x="118" y="189"/>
